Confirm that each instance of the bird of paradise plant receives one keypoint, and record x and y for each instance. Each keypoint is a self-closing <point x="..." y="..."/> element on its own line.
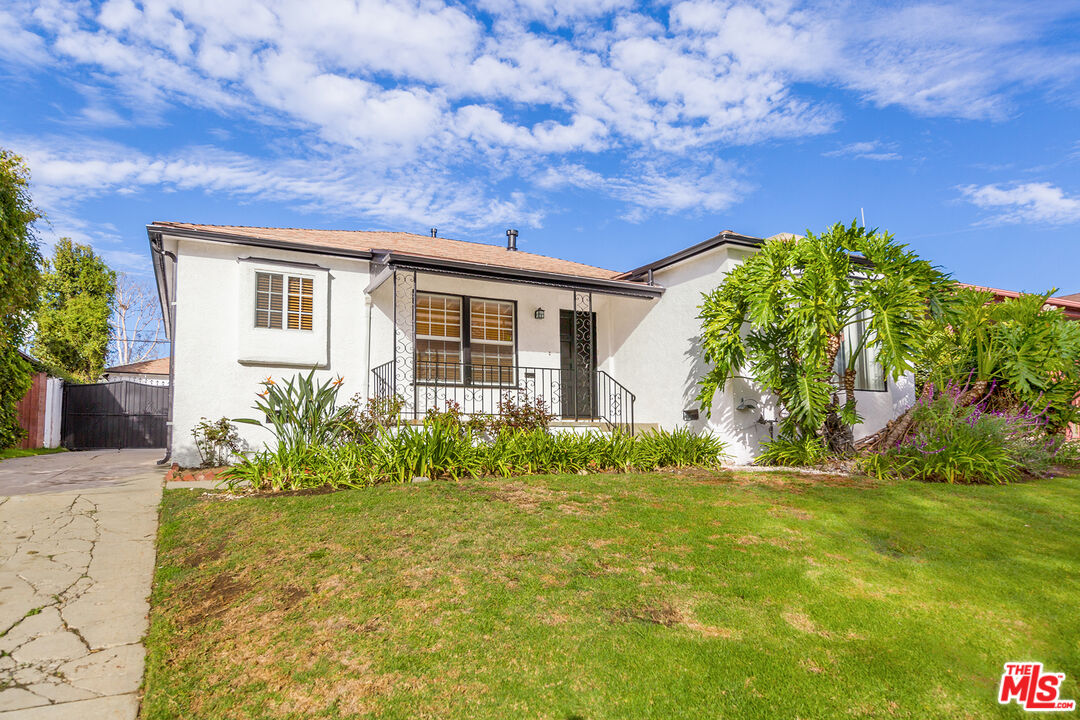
<point x="301" y="412"/>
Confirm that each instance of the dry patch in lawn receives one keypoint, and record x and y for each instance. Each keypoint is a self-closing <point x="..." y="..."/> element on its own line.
<point x="668" y="615"/>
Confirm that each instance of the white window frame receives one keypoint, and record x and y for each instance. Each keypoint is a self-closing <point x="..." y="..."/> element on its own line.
<point x="466" y="341"/>
<point x="285" y="278"/>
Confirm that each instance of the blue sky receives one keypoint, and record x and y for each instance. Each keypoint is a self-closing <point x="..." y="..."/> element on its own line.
<point x="607" y="131"/>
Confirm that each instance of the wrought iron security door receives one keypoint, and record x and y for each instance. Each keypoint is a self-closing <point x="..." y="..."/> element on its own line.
<point x="577" y="360"/>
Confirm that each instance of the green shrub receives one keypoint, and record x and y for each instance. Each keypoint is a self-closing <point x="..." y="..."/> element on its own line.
<point x="1069" y="454"/>
<point x="446" y="448"/>
<point x="364" y="418"/>
<point x="217" y="442"/>
<point x="953" y="443"/>
<point x="681" y="447"/>
<point x="788" y="452"/>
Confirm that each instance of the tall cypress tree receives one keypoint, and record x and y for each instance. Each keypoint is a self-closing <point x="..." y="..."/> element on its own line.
<point x="77" y="298"/>
<point x="19" y="284"/>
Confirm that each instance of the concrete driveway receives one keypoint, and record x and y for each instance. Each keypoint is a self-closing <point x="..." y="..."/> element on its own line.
<point x="77" y="533"/>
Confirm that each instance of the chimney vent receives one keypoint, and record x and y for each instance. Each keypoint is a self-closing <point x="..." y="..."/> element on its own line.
<point x="511" y="239"/>
<point x="434" y="232"/>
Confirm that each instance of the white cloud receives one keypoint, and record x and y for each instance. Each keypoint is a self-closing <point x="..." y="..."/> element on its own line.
<point x="867" y="150"/>
<point x="396" y="101"/>
<point x="652" y="190"/>
<point x="66" y="170"/>
<point x="19" y="45"/>
<point x="382" y="72"/>
<point x="1036" y="203"/>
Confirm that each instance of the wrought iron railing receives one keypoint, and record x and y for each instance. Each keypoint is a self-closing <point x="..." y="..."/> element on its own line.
<point x="573" y="394"/>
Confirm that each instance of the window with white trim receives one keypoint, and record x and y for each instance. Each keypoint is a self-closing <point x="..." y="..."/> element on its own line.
<point x="284" y="301"/>
<point x="491" y="336"/>
<point x="438" y="338"/>
<point x="869" y="373"/>
<point x="462" y="339"/>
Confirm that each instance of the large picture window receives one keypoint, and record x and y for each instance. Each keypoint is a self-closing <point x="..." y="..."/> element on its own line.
<point x="464" y="340"/>
<point x="869" y="374"/>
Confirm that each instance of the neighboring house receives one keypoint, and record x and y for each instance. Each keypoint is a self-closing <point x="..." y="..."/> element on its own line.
<point x="1070" y="304"/>
<point x="434" y="320"/>
<point x="39" y="411"/>
<point x="148" y="372"/>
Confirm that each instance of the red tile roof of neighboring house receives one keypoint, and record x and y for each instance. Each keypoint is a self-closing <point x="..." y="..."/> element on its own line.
<point x="402" y="242"/>
<point x="159" y="366"/>
<point x="1069" y="303"/>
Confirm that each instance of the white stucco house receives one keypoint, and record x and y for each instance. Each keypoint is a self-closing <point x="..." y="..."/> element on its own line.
<point x="434" y="320"/>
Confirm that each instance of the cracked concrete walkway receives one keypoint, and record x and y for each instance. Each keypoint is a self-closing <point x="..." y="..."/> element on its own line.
<point x="77" y="533"/>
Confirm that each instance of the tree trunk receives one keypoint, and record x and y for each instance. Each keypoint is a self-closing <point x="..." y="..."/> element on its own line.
<point x="834" y="431"/>
<point x="849" y="387"/>
<point x="897" y="429"/>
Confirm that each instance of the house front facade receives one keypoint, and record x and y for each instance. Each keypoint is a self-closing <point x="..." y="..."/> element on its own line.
<point x="431" y="320"/>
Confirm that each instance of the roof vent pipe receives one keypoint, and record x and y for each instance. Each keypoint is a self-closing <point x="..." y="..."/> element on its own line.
<point x="434" y="232"/>
<point x="511" y="239"/>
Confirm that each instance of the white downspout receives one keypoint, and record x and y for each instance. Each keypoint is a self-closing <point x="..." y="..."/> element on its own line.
<point x="367" y="347"/>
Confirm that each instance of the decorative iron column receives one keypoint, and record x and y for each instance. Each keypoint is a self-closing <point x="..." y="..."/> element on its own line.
<point x="583" y="355"/>
<point x="405" y="338"/>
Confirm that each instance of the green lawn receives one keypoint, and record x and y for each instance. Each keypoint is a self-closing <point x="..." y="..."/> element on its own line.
<point x="614" y="596"/>
<point x="27" y="452"/>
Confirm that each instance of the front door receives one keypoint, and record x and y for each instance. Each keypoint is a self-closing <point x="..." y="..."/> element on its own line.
<point x="577" y="364"/>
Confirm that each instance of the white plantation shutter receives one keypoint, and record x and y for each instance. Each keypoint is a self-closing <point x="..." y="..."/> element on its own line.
<point x="284" y="301"/>
<point x="268" y="300"/>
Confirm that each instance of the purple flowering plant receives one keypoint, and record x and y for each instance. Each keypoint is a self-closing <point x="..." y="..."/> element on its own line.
<point x="980" y="443"/>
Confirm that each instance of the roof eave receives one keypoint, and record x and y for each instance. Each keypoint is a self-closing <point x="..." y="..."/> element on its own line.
<point x="724" y="238"/>
<point x="255" y="241"/>
<point x="537" y="277"/>
<point x="157" y="259"/>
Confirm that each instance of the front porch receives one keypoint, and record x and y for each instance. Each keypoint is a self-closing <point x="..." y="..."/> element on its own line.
<point x="487" y="346"/>
<point x="576" y="396"/>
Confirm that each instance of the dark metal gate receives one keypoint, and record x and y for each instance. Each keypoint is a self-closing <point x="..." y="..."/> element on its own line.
<point x="120" y="414"/>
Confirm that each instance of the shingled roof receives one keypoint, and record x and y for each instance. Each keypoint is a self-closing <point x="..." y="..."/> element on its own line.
<point x="1070" y="304"/>
<point x="399" y="242"/>
<point x="159" y="366"/>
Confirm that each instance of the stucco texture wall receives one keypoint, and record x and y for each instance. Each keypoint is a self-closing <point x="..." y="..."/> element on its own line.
<point x="657" y="352"/>
<point x="210" y="381"/>
<point x="649" y="346"/>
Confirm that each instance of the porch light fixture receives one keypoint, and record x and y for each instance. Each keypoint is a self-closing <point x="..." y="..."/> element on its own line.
<point x="538" y="313"/>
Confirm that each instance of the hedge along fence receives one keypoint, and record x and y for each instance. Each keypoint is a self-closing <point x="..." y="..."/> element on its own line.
<point x="320" y="443"/>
